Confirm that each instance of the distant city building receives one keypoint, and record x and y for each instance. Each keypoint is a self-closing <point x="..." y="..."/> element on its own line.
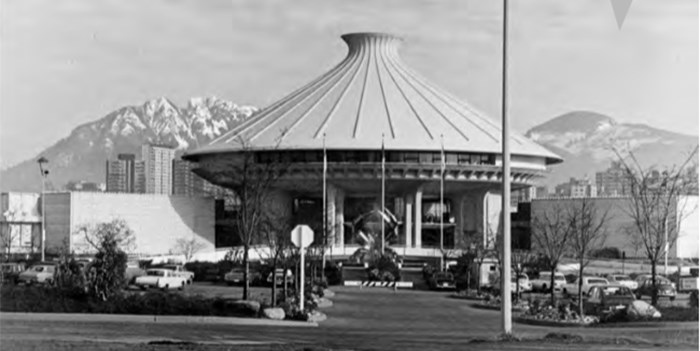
<point x="158" y="164"/>
<point x="613" y="181"/>
<point x="120" y="174"/>
<point x="140" y="177"/>
<point x="576" y="188"/>
<point x="85" y="186"/>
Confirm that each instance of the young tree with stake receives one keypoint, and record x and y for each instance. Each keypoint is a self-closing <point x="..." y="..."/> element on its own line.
<point x="551" y="234"/>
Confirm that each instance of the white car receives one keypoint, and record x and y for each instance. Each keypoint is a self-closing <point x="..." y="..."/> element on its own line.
<point x="161" y="279"/>
<point x="543" y="283"/>
<point x="38" y="273"/>
<point x="181" y="271"/>
<point x="587" y="284"/>
<point x="623" y="280"/>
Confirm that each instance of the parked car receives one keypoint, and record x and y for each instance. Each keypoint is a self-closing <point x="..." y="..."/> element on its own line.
<point x="523" y="282"/>
<point x="543" y="283"/>
<point x="623" y="280"/>
<point x="181" y="271"/>
<point x="606" y="298"/>
<point x="235" y="276"/>
<point x="38" y="273"/>
<point x="162" y="279"/>
<point x="280" y="277"/>
<point x="10" y="271"/>
<point x="664" y="288"/>
<point x="587" y="282"/>
<point x="442" y="281"/>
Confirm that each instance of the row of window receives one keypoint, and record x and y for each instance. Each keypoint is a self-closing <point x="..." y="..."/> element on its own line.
<point x="311" y="156"/>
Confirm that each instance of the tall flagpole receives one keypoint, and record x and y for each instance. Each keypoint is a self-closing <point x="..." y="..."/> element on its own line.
<point x="383" y="190"/>
<point x="505" y="196"/>
<point x="325" y="209"/>
<point x="442" y="204"/>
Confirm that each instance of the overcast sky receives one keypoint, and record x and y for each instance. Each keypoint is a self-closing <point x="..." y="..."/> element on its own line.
<point x="63" y="63"/>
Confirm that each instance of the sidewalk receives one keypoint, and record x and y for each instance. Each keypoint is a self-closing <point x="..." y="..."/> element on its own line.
<point x="149" y="319"/>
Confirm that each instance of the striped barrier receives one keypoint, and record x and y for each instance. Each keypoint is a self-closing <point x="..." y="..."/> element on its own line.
<point x="376" y="284"/>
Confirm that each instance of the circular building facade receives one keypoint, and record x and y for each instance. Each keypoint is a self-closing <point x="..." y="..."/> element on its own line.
<point x="380" y="126"/>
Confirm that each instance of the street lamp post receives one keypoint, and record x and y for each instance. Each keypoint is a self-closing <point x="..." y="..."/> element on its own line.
<point x="44" y="172"/>
<point x="505" y="196"/>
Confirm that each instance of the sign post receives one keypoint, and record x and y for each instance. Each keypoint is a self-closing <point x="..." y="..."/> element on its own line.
<point x="302" y="236"/>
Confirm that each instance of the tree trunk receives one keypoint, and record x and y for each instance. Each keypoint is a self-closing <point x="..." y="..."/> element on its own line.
<point x="284" y="283"/>
<point x="273" y="297"/>
<point x="580" y="290"/>
<point x="478" y="279"/>
<point x="246" y="273"/>
<point x="551" y="284"/>
<point x="654" y="292"/>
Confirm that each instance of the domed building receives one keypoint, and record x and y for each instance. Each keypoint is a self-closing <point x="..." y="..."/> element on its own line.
<point x="370" y="107"/>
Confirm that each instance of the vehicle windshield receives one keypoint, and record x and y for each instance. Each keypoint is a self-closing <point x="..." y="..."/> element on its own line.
<point x="616" y="291"/>
<point x="559" y="277"/>
<point x="523" y="276"/>
<point x="619" y="278"/>
<point x="170" y="267"/>
<point x="39" y="268"/>
<point x="156" y="273"/>
<point x="597" y="281"/>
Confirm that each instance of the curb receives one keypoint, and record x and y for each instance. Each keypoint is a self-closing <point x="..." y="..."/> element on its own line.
<point x="546" y="323"/>
<point x="149" y="319"/>
<point x="492" y="308"/>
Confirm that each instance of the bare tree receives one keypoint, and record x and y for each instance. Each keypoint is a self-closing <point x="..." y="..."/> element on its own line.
<point x="251" y="179"/>
<point x="588" y="233"/>
<point x="276" y="235"/>
<point x="188" y="247"/>
<point x="551" y="234"/>
<point x="7" y="235"/>
<point x="482" y="248"/>
<point x="116" y="230"/>
<point x="520" y="259"/>
<point x="655" y="207"/>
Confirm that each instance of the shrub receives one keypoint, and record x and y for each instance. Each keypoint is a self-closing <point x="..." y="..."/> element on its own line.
<point x="693" y="299"/>
<point x="607" y="252"/>
<point x="45" y="299"/>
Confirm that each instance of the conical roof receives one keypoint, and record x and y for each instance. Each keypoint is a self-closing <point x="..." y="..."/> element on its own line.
<point x="368" y="97"/>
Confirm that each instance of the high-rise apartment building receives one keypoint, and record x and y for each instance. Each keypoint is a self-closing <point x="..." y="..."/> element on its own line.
<point x="158" y="165"/>
<point x="140" y="177"/>
<point x="576" y="188"/>
<point x="613" y="181"/>
<point x="120" y="174"/>
<point x="185" y="182"/>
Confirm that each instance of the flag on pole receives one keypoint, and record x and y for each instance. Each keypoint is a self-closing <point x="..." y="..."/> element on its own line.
<point x="383" y="189"/>
<point x="325" y="205"/>
<point x="442" y="198"/>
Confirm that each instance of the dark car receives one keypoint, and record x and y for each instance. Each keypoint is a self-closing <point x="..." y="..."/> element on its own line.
<point x="664" y="288"/>
<point x="607" y="298"/>
<point x="442" y="281"/>
<point x="9" y="271"/>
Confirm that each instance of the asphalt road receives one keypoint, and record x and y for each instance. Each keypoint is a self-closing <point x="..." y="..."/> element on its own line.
<point x="360" y="319"/>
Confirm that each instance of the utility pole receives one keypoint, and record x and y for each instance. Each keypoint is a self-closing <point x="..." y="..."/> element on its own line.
<point x="507" y="323"/>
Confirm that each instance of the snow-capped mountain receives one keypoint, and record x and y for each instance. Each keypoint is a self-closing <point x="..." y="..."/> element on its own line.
<point x="587" y="140"/>
<point x="82" y="155"/>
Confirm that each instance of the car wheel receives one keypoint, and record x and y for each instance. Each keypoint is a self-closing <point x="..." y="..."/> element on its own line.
<point x="639" y="296"/>
<point x="544" y="287"/>
<point x="165" y="287"/>
<point x="182" y="286"/>
<point x="672" y="298"/>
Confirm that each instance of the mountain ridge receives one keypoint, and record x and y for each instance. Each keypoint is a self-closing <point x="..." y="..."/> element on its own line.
<point x="82" y="154"/>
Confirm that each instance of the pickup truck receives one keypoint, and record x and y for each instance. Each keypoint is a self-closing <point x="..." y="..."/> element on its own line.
<point x="181" y="271"/>
<point x="543" y="283"/>
<point x="161" y="279"/>
<point x="571" y="289"/>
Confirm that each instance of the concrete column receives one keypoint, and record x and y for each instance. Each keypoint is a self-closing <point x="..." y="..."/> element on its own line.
<point x="408" y="220"/>
<point x="331" y="215"/>
<point x="419" y="216"/>
<point x="458" y="208"/>
<point x="340" y="217"/>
